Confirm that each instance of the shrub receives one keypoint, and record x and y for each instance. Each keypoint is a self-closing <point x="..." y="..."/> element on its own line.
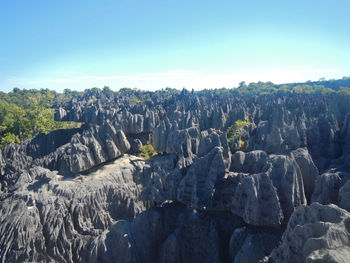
<point x="134" y="101"/>
<point x="143" y="98"/>
<point x="234" y="132"/>
<point x="9" y="138"/>
<point x="147" y="151"/>
<point x="91" y="101"/>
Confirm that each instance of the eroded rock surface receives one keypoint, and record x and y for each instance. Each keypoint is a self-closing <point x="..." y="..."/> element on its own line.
<point x="52" y="218"/>
<point x="315" y="233"/>
<point x="172" y="233"/>
<point x="82" y="195"/>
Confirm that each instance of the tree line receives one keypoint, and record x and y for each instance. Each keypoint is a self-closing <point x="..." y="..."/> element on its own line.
<point x="26" y="113"/>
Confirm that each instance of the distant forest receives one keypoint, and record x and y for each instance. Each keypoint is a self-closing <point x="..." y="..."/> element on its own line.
<point x="26" y="113"/>
<point x="323" y="87"/>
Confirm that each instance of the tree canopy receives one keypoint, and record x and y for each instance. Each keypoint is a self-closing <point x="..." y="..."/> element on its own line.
<point x="26" y="113"/>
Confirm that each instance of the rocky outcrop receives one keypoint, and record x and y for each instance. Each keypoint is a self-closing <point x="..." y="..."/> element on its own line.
<point x="267" y="188"/>
<point x="168" y="138"/>
<point x="250" y="245"/>
<point x="315" y="233"/>
<point x="142" y="118"/>
<point x="308" y="170"/>
<point x="344" y="196"/>
<point x="198" y="186"/>
<point x="81" y="195"/>
<point x="345" y="131"/>
<point x="263" y="189"/>
<point x="327" y="187"/>
<point x="67" y="151"/>
<point x="278" y="122"/>
<point x="52" y="218"/>
<point x="172" y="233"/>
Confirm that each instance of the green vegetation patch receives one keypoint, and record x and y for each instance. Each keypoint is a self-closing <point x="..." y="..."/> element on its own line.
<point x="234" y="132"/>
<point x="26" y="113"/>
<point x="147" y="151"/>
<point x="142" y="99"/>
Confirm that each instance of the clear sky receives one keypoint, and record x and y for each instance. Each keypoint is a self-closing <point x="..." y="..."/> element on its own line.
<point x="166" y="43"/>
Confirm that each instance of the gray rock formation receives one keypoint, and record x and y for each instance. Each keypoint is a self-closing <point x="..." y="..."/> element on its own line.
<point x="172" y="233"/>
<point x="52" y="218"/>
<point x="327" y="187"/>
<point x="345" y="131"/>
<point x="197" y="187"/>
<point x="279" y="122"/>
<point x="344" y="196"/>
<point x="262" y="189"/>
<point x="250" y="245"/>
<point x="308" y="170"/>
<point x="266" y="189"/>
<point x="67" y="151"/>
<point x="315" y="233"/>
<point x="81" y="195"/>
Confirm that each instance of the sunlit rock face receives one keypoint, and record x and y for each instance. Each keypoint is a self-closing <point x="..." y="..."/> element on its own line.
<point x="315" y="233"/>
<point x="52" y="218"/>
<point x="277" y="192"/>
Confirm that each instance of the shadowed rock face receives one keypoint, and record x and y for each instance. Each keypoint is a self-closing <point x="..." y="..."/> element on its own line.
<point x="171" y="233"/>
<point x="81" y="195"/>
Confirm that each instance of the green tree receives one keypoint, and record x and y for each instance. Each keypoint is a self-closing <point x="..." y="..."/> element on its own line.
<point x="26" y="113"/>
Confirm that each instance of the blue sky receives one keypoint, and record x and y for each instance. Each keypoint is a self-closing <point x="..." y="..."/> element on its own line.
<point x="157" y="44"/>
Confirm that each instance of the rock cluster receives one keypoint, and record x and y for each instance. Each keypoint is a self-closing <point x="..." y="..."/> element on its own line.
<point x="81" y="195"/>
<point x="53" y="218"/>
<point x="171" y="233"/>
<point x="315" y="233"/>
